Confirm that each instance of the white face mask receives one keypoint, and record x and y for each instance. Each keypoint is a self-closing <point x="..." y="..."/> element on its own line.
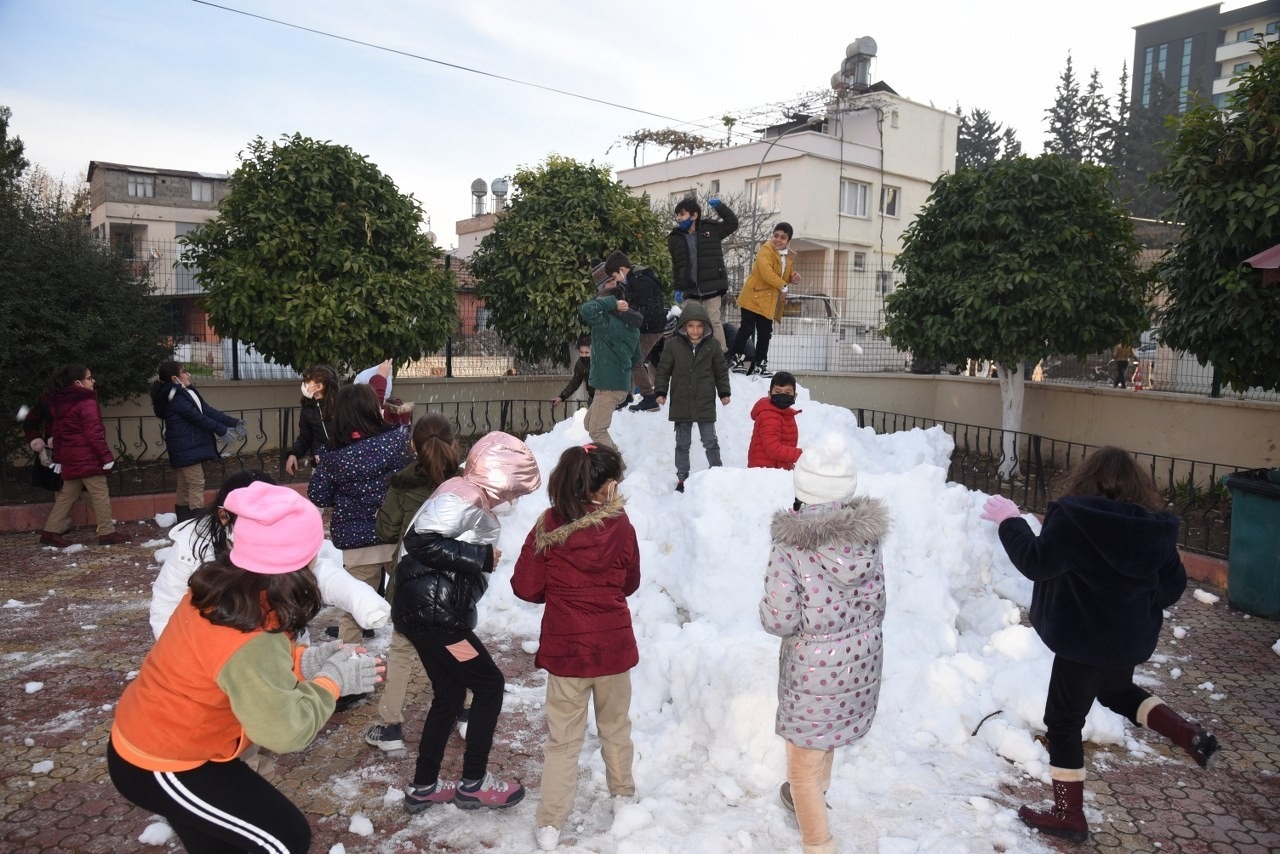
<point x="307" y="392"/>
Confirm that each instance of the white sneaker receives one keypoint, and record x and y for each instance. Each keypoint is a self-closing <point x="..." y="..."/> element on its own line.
<point x="548" y="838"/>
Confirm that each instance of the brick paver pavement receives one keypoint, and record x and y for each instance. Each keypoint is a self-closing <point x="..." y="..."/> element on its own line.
<point x="76" y="622"/>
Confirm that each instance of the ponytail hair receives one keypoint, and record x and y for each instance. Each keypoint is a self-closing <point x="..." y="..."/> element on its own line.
<point x="580" y="473"/>
<point x="436" y="448"/>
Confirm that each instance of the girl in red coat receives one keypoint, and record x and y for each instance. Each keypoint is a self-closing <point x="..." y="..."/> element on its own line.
<point x="582" y="561"/>
<point x="80" y="450"/>
<point x="774" y="437"/>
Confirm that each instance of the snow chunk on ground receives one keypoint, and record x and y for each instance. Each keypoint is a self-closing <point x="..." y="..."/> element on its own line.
<point x="166" y="520"/>
<point x="360" y="825"/>
<point x="32" y="687"/>
<point x="42" y="767"/>
<point x="1204" y="596"/>
<point x="155" y="544"/>
<point x="158" y="833"/>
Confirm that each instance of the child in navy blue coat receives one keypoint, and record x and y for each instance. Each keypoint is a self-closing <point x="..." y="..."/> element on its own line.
<point x="190" y="426"/>
<point x="1105" y="567"/>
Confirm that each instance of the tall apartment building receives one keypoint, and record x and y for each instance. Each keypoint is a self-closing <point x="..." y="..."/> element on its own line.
<point x="1199" y="51"/>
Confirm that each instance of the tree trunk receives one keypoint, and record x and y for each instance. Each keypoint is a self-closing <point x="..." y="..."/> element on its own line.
<point x="1012" y="386"/>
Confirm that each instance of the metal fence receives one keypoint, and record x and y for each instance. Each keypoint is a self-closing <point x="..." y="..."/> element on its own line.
<point x="1193" y="488"/>
<point x="833" y="322"/>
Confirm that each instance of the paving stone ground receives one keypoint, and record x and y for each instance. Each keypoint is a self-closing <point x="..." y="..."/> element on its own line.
<point x="76" y="622"/>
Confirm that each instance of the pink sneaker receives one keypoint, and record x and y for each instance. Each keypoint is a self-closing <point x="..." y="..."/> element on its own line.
<point x="491" y="794"/>
<point x="418" y="798"/>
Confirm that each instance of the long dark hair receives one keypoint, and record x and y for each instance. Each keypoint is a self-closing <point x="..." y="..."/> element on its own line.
<point x="67" y="376"/>
<point x="580" y="473"/>
<point x="436" y="448"/>
<point x="357" y="415"/>
<point x="1112" y="472"/>
<point x="227" y="595"/>
<point x="169" y="372"/>
<point x="209" y="529"/>
<point x="328" y="378"/>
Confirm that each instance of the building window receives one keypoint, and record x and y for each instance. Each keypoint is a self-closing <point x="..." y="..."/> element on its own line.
<point x="1273" y="28"/>
<point x="1239" y="67"/>
<point x="853" y="198"/>
<point x="1244" y="35"/>
<point x="860" y="261"/>
<point x="715" y="186"/>
<point x="143" y="186"/>
<point x="202" y="191"/>
<point x="889" y="200"/>
<point x="768" y="197"/>
<point x="1185" y="77"/>
<point x="680" y="195"/>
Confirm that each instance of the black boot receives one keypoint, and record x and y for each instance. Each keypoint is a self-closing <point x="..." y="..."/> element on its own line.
<point x="1199" y="743"/>
<point x="182" y="512"/>
<point x="1065" y="818"/>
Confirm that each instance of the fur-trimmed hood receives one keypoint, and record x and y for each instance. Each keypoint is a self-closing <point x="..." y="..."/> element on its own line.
<point x="815" y="526"/>
<point x="543" y="539"/>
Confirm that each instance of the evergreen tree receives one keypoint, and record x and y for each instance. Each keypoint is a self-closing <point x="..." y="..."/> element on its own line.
<point x="1065" y="117"/>
<point x="1010" y="147"/>
<point x="1139" y="151"/>
<point x="1096" y="123"/>
<point x="979" y="141"/>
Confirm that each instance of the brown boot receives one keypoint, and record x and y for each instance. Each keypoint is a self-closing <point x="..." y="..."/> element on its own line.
<point x="49" y="538"/>
<point x="1065" y="818"/>
<point x="1199" y="743"/>
<point x="115" y="538"/>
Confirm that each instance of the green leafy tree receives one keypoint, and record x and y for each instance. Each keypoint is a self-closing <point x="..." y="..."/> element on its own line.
<point x="66" y="297"/>
<point x="1066" y="128"/>
<point x="316" y="256"/>
<point x="1223" y="176"/>
<point x="979" y="140"/>
<point x="1024" y="259"/>
<point x="533" y="269"/>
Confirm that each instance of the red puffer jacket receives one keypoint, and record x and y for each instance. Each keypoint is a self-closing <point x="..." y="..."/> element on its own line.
<point x="773" y="439"/>
<point x="79" y="439"/>
<point x="584" y="571"/>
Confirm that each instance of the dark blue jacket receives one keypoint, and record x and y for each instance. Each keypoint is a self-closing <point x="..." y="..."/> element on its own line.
<point x="188" y="429"/>
<point x="1104" y="572"/>
<point x="353" y="480"/>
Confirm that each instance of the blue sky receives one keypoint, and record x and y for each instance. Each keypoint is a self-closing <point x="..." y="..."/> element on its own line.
<point x="183" y="85"/>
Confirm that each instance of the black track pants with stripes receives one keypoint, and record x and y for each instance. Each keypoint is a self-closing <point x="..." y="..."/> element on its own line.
<point x="220" y="806"/>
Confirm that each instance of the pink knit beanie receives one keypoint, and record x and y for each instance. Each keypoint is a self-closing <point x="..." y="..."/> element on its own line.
<point x="276" y="530"/>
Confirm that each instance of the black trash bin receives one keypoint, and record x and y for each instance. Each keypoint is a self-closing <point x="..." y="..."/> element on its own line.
<point x="1253" y="572"/>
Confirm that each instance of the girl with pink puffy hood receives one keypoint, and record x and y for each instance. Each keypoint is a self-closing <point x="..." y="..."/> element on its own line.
<point x="443" y="568"/>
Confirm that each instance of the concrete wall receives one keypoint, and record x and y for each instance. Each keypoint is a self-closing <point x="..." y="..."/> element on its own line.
<point x="1232" y="432"/>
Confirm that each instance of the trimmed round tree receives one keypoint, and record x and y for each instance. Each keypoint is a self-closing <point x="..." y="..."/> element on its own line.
<point x="533" y="270"/>
<point x="1019" y="260"/>
<point x="316" y="256"/>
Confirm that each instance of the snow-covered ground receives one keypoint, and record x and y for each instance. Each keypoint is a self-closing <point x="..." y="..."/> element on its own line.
<point x="963" y="687"/>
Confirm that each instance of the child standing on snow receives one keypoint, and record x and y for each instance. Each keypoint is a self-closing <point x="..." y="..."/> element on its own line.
<point x="774" y="436"/>
<point x="824" y="596"/>
<point x="1105" y="566"/>
<point x="581" y="559"/>
<point x="443" y="568"/>
<point x="227" y="673"/>
<point x="693" y="370"/>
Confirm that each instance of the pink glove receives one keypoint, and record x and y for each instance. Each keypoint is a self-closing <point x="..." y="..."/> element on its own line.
<point x="998" y="508"/>
<point x="37" y="444"/>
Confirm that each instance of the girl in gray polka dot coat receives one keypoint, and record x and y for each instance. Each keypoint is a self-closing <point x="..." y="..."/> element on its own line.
<point x="824" y="596"/>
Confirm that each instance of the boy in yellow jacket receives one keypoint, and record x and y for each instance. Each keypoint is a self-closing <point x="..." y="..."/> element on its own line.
<point x="761" y="298"/>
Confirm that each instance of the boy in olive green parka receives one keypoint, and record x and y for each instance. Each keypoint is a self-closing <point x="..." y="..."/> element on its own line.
<point x="693" y="369"/>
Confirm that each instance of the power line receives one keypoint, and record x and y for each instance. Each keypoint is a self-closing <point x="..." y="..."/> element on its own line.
<point x="706" y="123"/>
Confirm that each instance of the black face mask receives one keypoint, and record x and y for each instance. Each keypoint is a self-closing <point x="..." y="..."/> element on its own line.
<point x="782" y="401"/>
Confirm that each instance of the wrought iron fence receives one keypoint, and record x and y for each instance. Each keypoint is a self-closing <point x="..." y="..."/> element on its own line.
<point x="1192" y="488"/>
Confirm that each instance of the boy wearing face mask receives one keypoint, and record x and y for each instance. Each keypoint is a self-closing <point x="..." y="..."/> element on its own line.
<point x="774" y="437"/>
<point x="697" y="257"/>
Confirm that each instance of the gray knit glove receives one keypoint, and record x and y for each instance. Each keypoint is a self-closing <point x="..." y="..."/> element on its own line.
<point x="314" y="657"/>
<point x="355" y="674"/>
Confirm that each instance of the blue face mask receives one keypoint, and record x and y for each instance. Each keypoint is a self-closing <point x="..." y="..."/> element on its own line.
<point x="685" y="225"/>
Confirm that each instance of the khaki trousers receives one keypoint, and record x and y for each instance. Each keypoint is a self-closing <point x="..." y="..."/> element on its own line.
<point x="809" y="773"/>
<point x="600" y="415"/>
<point x="96" y="486"/>
<point x="402" y="664"/>
<point x="567" y="699"/>
<point x="189" y="487"/>
<point x="349" y="630"/>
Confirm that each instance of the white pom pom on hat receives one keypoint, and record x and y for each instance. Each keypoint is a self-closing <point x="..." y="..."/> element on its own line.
<point x="826" y="471"/>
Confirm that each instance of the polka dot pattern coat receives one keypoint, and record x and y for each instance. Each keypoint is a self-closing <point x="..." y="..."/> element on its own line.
<point x="824" y="596"/>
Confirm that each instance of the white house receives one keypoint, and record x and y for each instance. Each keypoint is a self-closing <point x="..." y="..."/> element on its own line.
<point x="849" y="182"/>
